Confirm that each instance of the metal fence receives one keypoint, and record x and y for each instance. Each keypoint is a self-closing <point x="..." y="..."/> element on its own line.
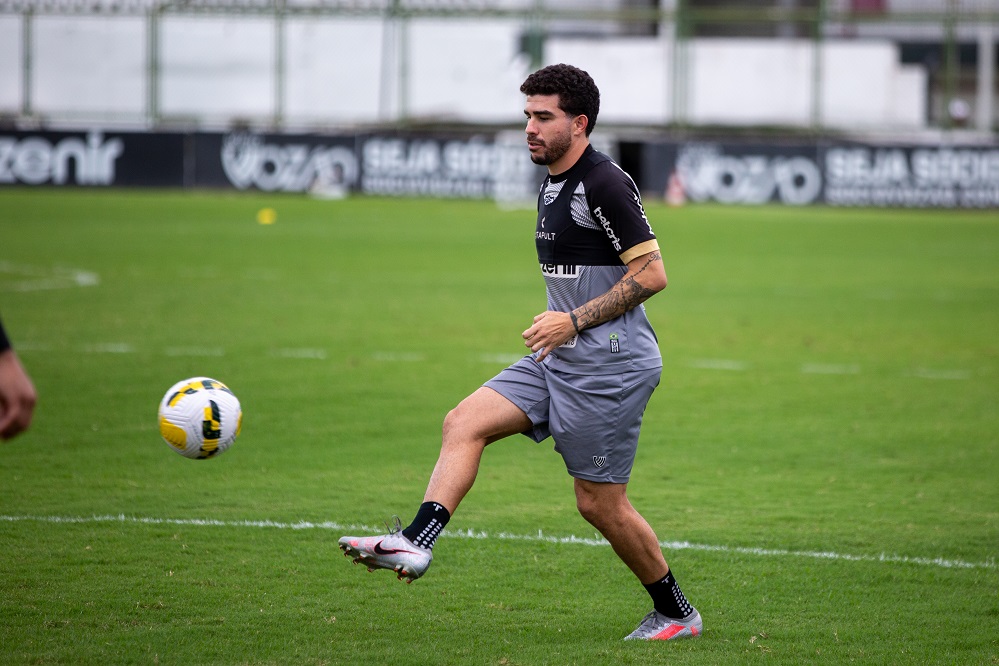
<point x="953" y="41"/>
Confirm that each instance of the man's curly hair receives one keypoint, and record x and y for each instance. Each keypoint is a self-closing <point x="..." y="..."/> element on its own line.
<point x="577" y="93"/>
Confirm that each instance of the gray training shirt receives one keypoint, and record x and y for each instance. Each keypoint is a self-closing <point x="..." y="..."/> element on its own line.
<point x="590" y="225"/>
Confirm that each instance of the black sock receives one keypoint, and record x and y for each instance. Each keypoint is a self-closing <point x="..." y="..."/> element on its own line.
<point x="427" y="526"/>
<point x="668" y="599"/>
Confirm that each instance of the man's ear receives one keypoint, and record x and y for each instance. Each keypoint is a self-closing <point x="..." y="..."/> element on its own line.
<point x="580" y="123"/>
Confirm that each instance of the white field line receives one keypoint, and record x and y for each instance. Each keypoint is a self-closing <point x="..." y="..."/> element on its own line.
<point x="716" y="364"/>
<point x="43" y="278"/>
<point x="109" y="348"/>
<point x="929" y="373"/>
<point x="319" y="354"/>
<point x="540" y="537"/>
<point x="300" y="352"/>
<point x="194" y="351"/>
<point x="398" y="357"/>
<point x="830" y="369"/>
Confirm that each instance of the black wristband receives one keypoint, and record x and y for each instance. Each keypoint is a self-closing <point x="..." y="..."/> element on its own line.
<point x="575" y="324"/>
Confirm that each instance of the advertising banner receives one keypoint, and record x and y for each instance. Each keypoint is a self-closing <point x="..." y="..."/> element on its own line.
<point x="276" y="162"/>
<point x="92" y="158"/>
<point x="497" y="166"/>
<point x="914" y="177"/>
<point x="494" y="166"/>
<point x="833" y="174"/>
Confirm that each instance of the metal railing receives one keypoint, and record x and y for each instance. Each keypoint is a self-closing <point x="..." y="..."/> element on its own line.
<point x="949" y="25"/>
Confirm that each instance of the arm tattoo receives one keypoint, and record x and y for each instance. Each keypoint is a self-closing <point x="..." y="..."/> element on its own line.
<point x="627" y="294"/>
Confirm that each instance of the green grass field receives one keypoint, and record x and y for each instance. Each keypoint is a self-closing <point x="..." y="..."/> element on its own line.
<point x="821" y="460"/>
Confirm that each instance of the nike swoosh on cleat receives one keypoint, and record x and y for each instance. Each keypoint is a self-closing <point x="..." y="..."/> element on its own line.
<point x="381" y="551"/>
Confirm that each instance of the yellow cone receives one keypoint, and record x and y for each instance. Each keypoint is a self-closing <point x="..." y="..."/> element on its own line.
<point x="266" y="216"/>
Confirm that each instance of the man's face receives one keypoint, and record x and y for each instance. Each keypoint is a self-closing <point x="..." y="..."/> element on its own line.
<point x="549" y="129"/>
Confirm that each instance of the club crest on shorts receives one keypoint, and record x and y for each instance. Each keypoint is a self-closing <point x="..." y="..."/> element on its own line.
<point x="599" y="461"/>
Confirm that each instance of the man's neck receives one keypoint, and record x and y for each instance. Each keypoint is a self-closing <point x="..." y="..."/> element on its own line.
<point x="569" y="160"/>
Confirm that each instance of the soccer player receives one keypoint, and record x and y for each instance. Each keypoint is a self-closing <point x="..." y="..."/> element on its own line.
<point x="17" y="393"/>
<point x="594" y="358"/>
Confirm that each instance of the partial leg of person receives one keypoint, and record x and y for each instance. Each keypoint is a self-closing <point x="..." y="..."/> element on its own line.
<point x="606" y="506"/>
<point x="480" y="419"/>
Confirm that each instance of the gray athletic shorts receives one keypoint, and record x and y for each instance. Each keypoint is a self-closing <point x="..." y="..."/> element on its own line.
<point x="594" y="419"/>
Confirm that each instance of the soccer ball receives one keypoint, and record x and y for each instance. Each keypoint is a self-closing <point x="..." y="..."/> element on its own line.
<point x="200" y="417"/>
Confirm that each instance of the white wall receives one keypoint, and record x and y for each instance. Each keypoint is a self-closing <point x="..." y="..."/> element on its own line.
<point x="465" y="70"/>
<point x="326" y="80"/>
<point x="750" y="81"/>
<point x="10" y="64"/>
<point x="349" y="71"/>
<point x="217" y="67"/>
<point x="864" y="80"/>
<point x="88" y="65"/>
<point x="633" y="75"/>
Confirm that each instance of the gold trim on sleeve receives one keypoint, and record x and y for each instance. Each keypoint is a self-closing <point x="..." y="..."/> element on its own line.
<point x="639" y="250"/>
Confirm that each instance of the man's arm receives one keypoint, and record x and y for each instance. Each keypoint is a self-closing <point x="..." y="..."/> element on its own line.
<point x="646" y="276"/>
